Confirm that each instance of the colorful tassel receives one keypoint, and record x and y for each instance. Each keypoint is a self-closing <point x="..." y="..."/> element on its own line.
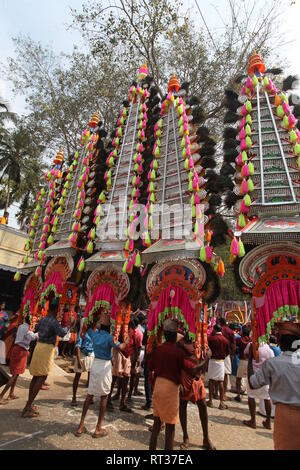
<point x="81" y="264"/>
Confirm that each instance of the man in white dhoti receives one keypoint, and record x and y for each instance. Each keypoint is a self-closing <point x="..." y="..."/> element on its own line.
<point x="220" y="348"/>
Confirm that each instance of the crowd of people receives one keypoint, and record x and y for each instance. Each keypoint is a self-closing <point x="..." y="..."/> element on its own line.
<point x="173" y="374"/>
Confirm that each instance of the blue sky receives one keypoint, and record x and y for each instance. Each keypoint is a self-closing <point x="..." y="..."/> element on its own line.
<point x="46" y="20"/>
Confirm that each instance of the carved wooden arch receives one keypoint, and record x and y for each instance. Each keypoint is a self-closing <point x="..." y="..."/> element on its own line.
<point x="32" y="291"/>
<point x="112" y="275"/>
<point x="63" y="264"/>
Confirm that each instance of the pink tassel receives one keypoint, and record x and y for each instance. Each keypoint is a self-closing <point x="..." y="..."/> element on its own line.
<point x="243" y="123"/>
<point x="131" y="245"/>
<point x="53" y="171"/>
<point x="239" y="160"/>
<point x="141" y="148"/>
<point x="76" y="227"/>
<point x="208" y="253"/>
<point x="243" y="208"/>
<point x="235" y="247"/>
<point x="274" y="90"/>
<point x="133" y="258"/>
<point x="144" y="107"/>
<point x="180" y="100"/>
<point x="140" y="170"/>
<point x="195" y="183"/>
<point x="46" y="221"/>
<point x="245" y="170"/>
<point x="243" y="91"/>
<point x="197" y="199"/>
<point x="43" y="238"/>
<point x="243" y="145"/>
<point x="51" y="185"/>
<point x="191" y="162"/>
<point x="149" y="175"/>
<point x="198" y="210"/>
<point x="143" y="134"/>
<point x="139" y="158"/>
<point x="292" y="120"/>
<point x="78" y="213"/>
<point x="249" y="83"/>
<point x="144" y="124"/>
<point x="105" y="176"/>
<point x="85" y="161"/>
<point x="128" y="267"/>
<point x="48" y="210"/>
<point x="73" y="238"/>
<point x="137" y="194"/>
<point x="145" y="116"/>
<point x="243" y="110"/>
<point x="242" y="133"/>
<point x="185" y="127"/>
<point x="286" y="107"/>
<point x="188" y="151"/>
<point x="80" y="184"/>
<point x="137" y="181"/>
<point x="156" y="127"/>
<point x="244" y="187"/>
<point x="169" y="96"/>
<point x="187" y="140"/>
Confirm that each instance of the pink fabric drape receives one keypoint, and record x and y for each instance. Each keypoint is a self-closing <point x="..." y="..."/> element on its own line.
<point x="29" y="295"/>
<point x="106" y="293"/>
<point x="180" y="300"/>
<point x="279" y="294"/>
<point x="56" y="279"/>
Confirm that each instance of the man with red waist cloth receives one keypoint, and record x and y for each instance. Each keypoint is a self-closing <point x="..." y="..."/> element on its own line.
<point x="167" y="363"/>
<point x="192" y="389"/>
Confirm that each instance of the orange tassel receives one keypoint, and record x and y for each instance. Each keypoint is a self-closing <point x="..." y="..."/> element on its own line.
<point x="277" y="101"/>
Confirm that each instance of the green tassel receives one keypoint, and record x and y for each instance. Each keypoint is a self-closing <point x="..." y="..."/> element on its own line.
<point x="244" y="156"/>
<point x="248" y="142"/>
<point x="137" y="261"/>
<point x="241" y="249"/>
<point x="32" y="233"/>
<point x="249" y="120"/>
<point x="131" y="217"/>
<point x="102" y="197"/>
<point x="90" y="247"/>
<point x="127" y="245"/>
<point x="192" y="200"/>
<point x="285" y="122"/>
<point x="158" y="142"/>
<point x="26" y="259"/>
<point x="297" y="149"/>
<point x="293" y="137"/>
<point x="133" y="192"/>
<point x="155" y="165"/>
<point x="248" y="130"/>
<point x="71" y="169"/>
<point x="69" y="177"/>
<point x="67" y="185"/>
<point x="247" y="201"/>
<point x="153" y="175"/>
<point x="115" y="153"/>
<point x="284" y="97"/>
<point x="193" y="211"/>
<point x="159" y="123"/>
<point x="152" y="197"/>
<point x="196" y="228"/>
<point x="50" y="240"/>
<point x="81" y="265"/>
<point x="150" y="225"/>
<point x="111" y="162"/>
<point x="299" y="163"/>
<point x="40" y="255"/>
<point x="190" y="186"/>
<point x="35" y="217"/>
<point x="64" y="193"/>
<point x="186" y="164"/>
<point x="265" y="82"/>
<point x="152" y="188"/>
<point x="191" y="175"/>
<point x="181" y="131"/>
<point x="180" y="122"/>
<point x="97" y="221"/>
<point x="133" y="180"/>
<point x="147" y="239"/>
<point x="248" y="106"/>
<point x="182" y="144"/>
<point x="279" y="111"/>
<point x="17" y="276"/>
<point x="117" y="141"/>
<point x="150" y="209"/>
<point x="254" y="81"/>
<point x="203" y="254"/>
<point x="43" y="192"/>
<point x="157" y="151"/>
<point x="251" y="168"/>
<point x="61" y="201"/>
<point x="250" y="185"/>
<point x="53" y="230"/>
<point x="242" y="220"/>
<point x="124" y="269"/>
<point x="131" y="203"/>
<point x="122" y="121"/>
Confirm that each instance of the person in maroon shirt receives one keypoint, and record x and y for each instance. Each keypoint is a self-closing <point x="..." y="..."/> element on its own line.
<point x="220" y="348"/>
<point x="242" y="369"/>
<point x="167" y="363"/>
<point x="229" y="334"/>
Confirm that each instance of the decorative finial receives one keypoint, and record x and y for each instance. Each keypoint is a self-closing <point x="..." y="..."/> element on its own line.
<point x="256" y="63"/>
<point x="143" y="72"/>
<point x="173" y="84"/>
<point x="94" y="121"/>
<point x="59" y="157"/>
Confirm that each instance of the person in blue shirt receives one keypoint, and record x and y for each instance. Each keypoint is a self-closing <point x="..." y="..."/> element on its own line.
<point x="100" y="376"/>
<point x="273" y="345"/>
<point x="83" y="361"/>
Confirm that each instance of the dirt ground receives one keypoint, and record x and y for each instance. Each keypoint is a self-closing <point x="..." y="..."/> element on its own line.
<point x="55" y="427"/>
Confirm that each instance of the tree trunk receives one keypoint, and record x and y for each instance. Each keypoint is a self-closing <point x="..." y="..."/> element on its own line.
<point x="8" y="196"/>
